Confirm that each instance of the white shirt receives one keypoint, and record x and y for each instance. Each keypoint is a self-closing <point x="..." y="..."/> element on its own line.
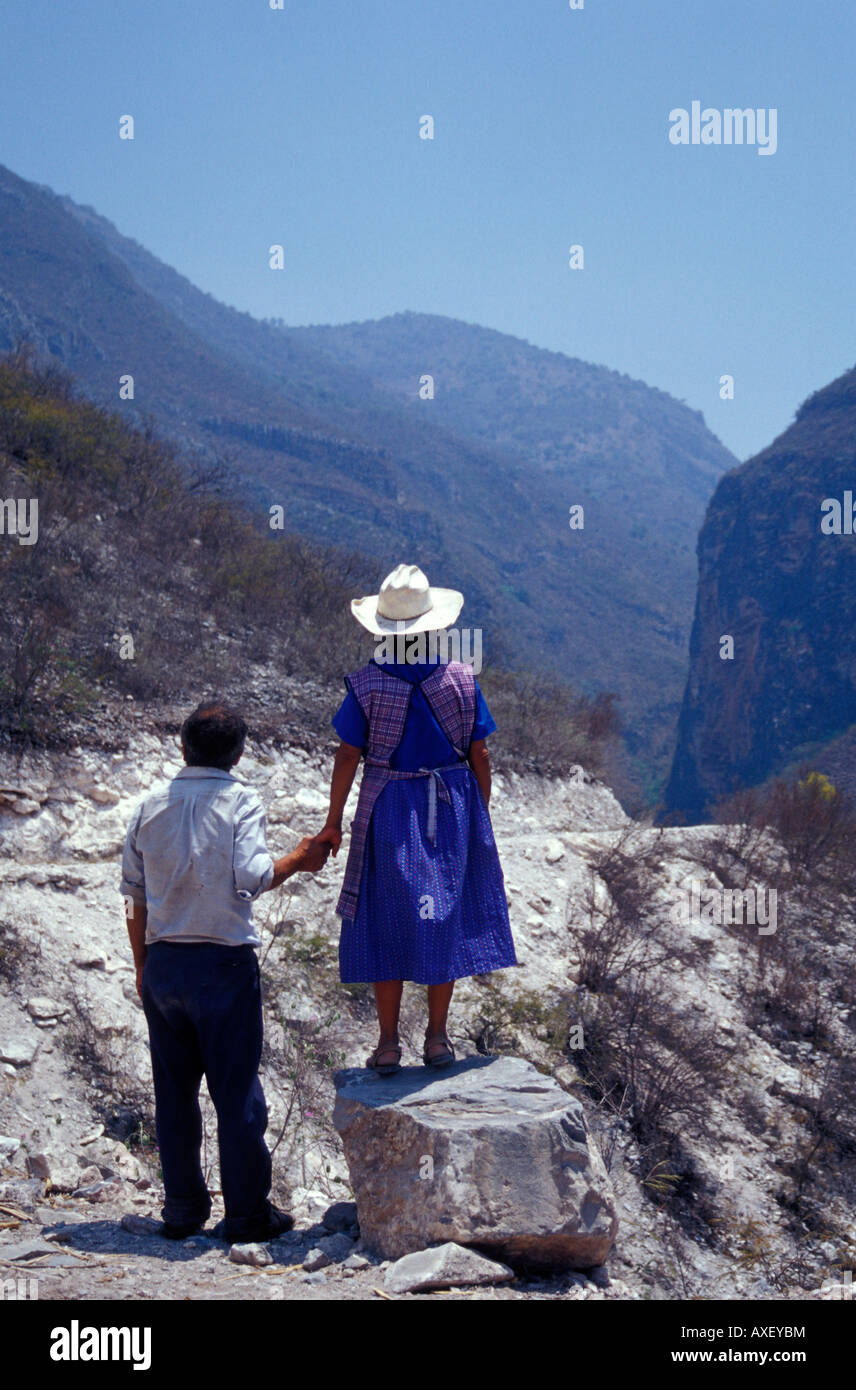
<point x="196" y="855"/>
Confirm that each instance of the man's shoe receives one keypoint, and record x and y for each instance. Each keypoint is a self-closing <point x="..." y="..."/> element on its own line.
<point x="275" y="1224"/>
<point x="170" y="1231"/>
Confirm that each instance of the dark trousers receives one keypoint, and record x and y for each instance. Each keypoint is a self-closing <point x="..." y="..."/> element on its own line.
<point x="203" y="1006"/>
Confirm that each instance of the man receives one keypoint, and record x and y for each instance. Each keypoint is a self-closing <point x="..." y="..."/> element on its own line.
<point x="195" y="860"/>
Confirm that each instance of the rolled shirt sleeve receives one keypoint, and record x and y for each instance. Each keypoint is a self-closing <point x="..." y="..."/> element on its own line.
<point x="252" y="865"/>
<point x="133" y="883"/>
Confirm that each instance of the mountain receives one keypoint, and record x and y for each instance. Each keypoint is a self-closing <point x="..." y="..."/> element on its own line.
<point x="786" y="593"/>
<point x="476" y="485"/>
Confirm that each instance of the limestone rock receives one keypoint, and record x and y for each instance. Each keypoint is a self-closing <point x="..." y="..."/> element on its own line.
<point x="19" y="1051"/>
<point x="107" y="1190"/>
<point x="341" y="1216"/>
<point x="490" y="1153"/>
<point x="140" y="1225"/>
<point x="443" y="1267"/>
<point x="23" y="1192"/>
<point x="251" y="1253"/>
<point x="89" y="958"/>
<point x="316" y="1258"/>
<point x="9" y="1146"/>
<point x="58" y="1167"/>
<point x="338" y="1247"/>
<point x="41" y="1007"/>
<point x="554" y="850"/>
<point x="25" y="1250"/>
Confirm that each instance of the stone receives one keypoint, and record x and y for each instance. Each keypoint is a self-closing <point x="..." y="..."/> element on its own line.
<point x="446" y="1266"/>
<point x="314" y="1278"/>
<point x="554" y="850"/>
<point x="107" y="1190"/>
<point x="26" y="1250"/>
<point x="316" y="1258"/>
<point x="140" y="1225"/>
<point x="341" y="1216"/>
<point x="309" y="1203"/>
<point x="88" y="1176"/>
<point x="251" y="1253"/>
<point x="295" y="1008"/>
<point x="310" y="799"/>
<point x="338" y="1247"/>
<point x="42" y="1007"/>
<point x="489" y="1152"/>
<point x="19" y="1051"/>
<point x="58" y="1167"/>
<point x="9" y="1146"/>
<point x="128" y="1166"/>
<point x="89" y="958"/>
<point x="25" y="1193"/>
<point x="355" y="1261"/>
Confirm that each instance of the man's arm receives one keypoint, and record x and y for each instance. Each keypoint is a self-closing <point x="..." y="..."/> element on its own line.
<point x="133" y="890"/>
<point x="255" y="871"/>
<point x="135" y="915"/>
<point x="308" y="858"/>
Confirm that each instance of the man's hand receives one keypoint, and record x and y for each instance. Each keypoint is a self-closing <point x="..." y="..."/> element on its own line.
<point x="331" y="835"/>
<point x="311" y="854"/>
<point x="140" y="969"/>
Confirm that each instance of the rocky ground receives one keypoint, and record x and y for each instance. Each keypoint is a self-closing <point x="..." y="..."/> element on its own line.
<point x="76" y="1149"/>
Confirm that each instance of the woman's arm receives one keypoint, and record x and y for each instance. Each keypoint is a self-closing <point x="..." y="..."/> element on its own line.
<point x="345" y="766"/>
<point x="479" y="760"/>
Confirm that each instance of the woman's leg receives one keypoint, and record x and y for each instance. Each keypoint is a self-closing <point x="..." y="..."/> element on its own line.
<point x="439" y="999"/>
<point x="388" y="1002"/>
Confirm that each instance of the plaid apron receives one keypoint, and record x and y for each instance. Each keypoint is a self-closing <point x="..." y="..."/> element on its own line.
<point x="450" y="693"/>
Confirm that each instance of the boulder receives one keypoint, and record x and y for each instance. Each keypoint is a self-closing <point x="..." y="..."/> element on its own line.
<point x="488" y="1153"/>
<point x="446" y="1266"/>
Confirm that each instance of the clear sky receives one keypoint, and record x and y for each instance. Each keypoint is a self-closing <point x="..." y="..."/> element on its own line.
<point x="300" y="126"/>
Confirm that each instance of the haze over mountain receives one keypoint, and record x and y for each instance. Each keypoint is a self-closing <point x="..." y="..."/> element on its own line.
<point x="786" y="592"/>
<point x="475" y="484"/>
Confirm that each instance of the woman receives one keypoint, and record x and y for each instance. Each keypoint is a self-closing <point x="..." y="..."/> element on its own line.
<point x="423" y="897"/>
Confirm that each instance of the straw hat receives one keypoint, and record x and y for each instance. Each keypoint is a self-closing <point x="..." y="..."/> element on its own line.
<point x="407" y="603"/>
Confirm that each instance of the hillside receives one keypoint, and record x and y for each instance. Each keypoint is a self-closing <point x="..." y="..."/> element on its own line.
<point x="786" y="592"/>
<point x="477" y="485"/>
<point x="716" y="1077"/>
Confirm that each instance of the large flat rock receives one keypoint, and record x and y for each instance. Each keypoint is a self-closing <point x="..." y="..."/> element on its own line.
<point x="489" y="1153"/>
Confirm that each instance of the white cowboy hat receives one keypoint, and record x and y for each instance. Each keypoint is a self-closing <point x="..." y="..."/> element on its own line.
<point x="407" y="603"/>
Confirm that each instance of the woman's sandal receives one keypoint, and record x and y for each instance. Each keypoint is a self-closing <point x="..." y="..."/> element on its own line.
<point x="439" y="1059"/>
<point x="385" y="1068"/>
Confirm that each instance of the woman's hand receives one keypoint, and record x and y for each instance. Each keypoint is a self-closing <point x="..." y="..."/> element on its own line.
<point x="331" y="835"/>
<point x="311" y="854"/>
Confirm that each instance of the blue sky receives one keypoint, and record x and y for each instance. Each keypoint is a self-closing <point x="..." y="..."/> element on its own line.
<point x="300" y="126"/>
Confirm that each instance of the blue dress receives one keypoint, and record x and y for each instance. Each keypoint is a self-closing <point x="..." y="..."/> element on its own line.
<point x="428" y="911"/>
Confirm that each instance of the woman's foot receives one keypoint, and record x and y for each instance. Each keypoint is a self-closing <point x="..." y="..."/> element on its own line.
<point x="386" y="1058"/>
<point x="438" y="1051"/>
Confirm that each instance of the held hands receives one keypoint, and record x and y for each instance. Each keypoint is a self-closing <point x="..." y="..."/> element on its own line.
<point x="311" y="854"/>
<point x="331" y="836"/>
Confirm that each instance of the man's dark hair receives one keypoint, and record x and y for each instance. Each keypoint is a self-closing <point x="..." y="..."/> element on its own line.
<point x="213" y="735"/>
